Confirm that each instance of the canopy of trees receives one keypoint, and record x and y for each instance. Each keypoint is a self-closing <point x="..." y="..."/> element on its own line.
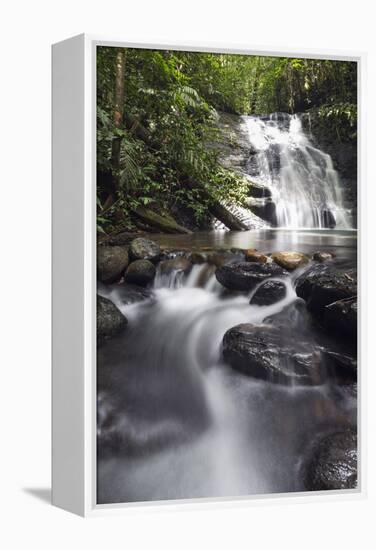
<point x="157" y="112"/>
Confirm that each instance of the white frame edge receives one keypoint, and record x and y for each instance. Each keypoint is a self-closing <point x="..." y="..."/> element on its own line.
<point x="74" y="279"/>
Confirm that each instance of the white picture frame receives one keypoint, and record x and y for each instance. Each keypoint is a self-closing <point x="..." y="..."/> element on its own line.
<point x="74" y="276"/>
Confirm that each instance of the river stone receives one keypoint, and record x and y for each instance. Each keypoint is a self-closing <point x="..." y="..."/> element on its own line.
<point x="252" y="255"/>
<point x="333" y="464"/>
<point x="290" y="260"/>
<point x="140" y="272"/>
<point x="110" y="321"/>
<point x="247" y="275"/>
<point x="322" y="256"/>
<point x="271" y="353"/>
<point x="341" y="317"/>
<point x="340" y="366"/>
<point x="322" y="285"/>
<point x="144" y="249"/>
<point x="268" y="293"/>
<point x="111" y="263"/>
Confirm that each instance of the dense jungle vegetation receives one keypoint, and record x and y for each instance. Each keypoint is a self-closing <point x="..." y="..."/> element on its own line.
<point x="157" y="115"/>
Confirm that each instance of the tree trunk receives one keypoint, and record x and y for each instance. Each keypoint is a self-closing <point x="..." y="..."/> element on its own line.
<point x="118" y="119"/>
<point x="255" y="88"/>
<point x="160" y="222"/>
<point x="217" y="209"/>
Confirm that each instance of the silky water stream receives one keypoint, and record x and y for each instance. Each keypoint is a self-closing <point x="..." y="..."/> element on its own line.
<point x="184" y="423"/>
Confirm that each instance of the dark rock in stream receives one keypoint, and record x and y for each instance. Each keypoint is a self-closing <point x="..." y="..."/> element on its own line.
<point x="252" y="255"/>
<point x="339" y="362"/>
<point x="111" y="263"/>
<point x="341" y="317"/>
<point x="272" y="353"/>
<point x="322" y="256"/>
<point x="322" y="285"/>
<point x="144" y="249"/>
<point x="333" y="464"/>
<point x="110" y="321"/>
<point x="268" y="293"/>
<point x="247" y="275"/>
<point x="140" y="272"/>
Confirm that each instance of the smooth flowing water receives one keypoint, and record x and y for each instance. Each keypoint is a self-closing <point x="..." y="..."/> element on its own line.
<point x="186" y="423"/>
<point x="306" y="188"/>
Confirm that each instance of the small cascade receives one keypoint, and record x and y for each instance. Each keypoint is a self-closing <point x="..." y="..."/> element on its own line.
<point x="200" y="275"/>
<point x="306" y="189"/>
<point x="175" y="420"/>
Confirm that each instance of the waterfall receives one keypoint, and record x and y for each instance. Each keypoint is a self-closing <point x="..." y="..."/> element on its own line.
<point x="304" y="185"/>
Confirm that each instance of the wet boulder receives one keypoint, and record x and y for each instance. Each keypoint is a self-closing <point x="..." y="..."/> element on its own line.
<point x="110" y="320"/>
<point x="321" y="257"/>
<point x="144" y="249"/>
<point x="252" y="255"/>
<point x="272" y="353"/>
<point x="111" y="263"/>
<point x="339" y="362"/>
<point x="290" y="260"/>
<point x="333" y="463"/>
<point x="140" y="272"/>
<point x="341" y="317"/>
<point x="322" y="285"/>
<point x="269" y="293"/>
<point x="247" y="275"/>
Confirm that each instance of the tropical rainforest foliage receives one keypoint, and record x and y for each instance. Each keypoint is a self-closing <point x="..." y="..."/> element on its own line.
<point x="156" y="118"/>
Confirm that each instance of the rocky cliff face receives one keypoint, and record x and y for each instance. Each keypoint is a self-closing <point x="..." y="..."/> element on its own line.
<point x="235" y="151"/>
<point x="233" y="143"/>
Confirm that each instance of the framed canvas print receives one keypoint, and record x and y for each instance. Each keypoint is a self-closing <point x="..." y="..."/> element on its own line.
<point x="206" y="243"/>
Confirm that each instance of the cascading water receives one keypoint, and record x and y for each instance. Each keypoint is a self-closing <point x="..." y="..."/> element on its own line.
<point x="306" y="189"/>
<point x="189" y="425"/>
